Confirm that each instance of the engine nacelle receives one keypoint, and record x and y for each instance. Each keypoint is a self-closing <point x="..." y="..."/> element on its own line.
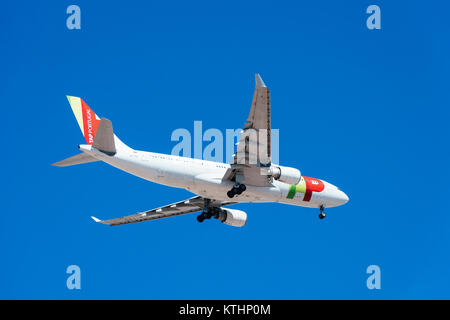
<point x="233" y="217"/>
<point x="286" y="174"/>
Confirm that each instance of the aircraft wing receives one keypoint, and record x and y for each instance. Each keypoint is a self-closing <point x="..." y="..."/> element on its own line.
<point x="253" y="154"/>
<point x="175" y="209"/>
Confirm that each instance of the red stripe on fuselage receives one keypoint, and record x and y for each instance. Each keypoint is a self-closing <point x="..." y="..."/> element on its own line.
<point x="312" y="184"/>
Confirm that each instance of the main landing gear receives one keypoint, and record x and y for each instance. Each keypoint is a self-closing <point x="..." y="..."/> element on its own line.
<point x="201" y="217"/>
<point x="237" y="189"/>
<point x="322" y="214"/>
<point x="210" y="212"/>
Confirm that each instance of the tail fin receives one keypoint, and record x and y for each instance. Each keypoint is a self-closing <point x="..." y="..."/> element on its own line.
<point x="86" y="118"/>
<point x="91" y="127"/>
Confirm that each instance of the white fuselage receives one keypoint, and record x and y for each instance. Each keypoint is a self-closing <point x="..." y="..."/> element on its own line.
<point x="204" y="178"/>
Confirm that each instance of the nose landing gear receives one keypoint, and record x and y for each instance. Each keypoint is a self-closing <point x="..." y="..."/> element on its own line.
<point x="322" y="214"/>
<point x="237" y="189"/>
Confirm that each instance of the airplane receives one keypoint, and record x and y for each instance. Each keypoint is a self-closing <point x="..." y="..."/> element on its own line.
<point x="251" y="177"/>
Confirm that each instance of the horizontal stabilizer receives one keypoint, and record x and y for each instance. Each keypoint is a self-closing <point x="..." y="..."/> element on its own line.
<point x="77" y="159"/>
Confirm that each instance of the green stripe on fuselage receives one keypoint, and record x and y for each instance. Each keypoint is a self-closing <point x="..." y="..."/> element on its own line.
<point x="294" y="188"/>
<point x="291" y="192"/>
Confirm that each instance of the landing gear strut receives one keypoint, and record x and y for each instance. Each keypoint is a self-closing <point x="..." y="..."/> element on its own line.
<point x="322" y="213"/>
<point x="237" y="189"/>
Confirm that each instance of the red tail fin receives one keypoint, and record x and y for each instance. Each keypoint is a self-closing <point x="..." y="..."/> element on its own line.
<point x="86" y="118"/>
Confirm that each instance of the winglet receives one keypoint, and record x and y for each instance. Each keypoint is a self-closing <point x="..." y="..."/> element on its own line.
<point x="100" y="221"/>
<point x="259" y="81"/>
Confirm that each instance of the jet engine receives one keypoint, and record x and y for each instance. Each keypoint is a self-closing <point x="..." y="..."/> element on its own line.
<point x="233" y="217"/>
<point x="286" y="174"/>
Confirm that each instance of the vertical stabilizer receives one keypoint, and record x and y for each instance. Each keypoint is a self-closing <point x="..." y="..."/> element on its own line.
<point x="86" y="118"/>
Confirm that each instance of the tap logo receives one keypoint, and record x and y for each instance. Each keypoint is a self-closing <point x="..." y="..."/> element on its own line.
<point x="90" y="123"/>
<point x="306" y="186"/>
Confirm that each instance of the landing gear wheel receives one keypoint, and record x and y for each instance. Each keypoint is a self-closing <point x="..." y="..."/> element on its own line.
<point x="237" y="189"/>
<point x="322" y="213"/>
<point x="231" y="193"/>
<point x="200" y="218"/>
<point x="207" y="215"/>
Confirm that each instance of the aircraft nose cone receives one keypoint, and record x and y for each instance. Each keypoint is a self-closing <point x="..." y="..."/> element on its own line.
<point x="343" y="197"/>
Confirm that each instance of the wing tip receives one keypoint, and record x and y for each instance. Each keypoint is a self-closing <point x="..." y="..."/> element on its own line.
<point x="100" y="221"/>
<point x="96" y="219"/>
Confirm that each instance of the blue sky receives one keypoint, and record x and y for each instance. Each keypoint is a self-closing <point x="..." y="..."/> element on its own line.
<point x="365" y="110"/>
